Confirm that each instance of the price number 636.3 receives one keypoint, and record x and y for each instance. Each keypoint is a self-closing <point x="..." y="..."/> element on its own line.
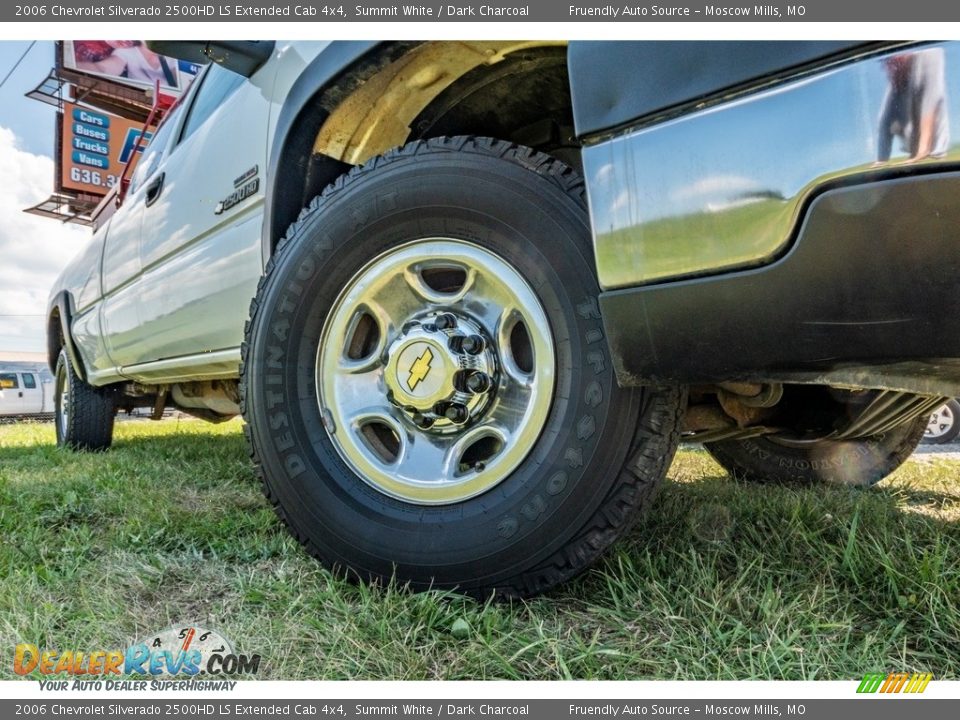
<point x="92" y="177"/>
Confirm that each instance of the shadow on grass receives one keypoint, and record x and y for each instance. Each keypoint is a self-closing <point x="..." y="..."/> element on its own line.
<point x="178" y="446"/>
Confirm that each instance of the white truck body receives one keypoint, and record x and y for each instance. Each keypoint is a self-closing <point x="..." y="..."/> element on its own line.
<point x="142" y="310"/>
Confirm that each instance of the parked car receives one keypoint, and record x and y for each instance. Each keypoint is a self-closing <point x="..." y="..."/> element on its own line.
<point x="944" y="424"/>
<point x="469" y="296"/>
<point x="25" y="393"/>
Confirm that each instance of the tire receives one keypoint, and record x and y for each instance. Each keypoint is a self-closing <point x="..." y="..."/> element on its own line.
<point x="83" y="414"/>
<point x="858" y="463"/>
<point x="524" y="516"/>
<point x="944" y="424"/>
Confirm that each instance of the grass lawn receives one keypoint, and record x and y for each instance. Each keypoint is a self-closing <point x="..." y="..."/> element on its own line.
<point x="723" y="580"/>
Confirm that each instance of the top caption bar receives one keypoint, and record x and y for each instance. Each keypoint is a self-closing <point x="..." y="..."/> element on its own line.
<point x="512" y="11"/>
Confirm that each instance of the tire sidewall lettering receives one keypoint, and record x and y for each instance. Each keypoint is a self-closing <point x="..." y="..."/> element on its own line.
<point x="306" y="474"/>
<point x="557" y="481"/>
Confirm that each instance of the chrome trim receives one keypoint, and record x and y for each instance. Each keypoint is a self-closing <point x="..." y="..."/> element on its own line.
<point x="725" y="187"/>
<point x="216" y="365"/>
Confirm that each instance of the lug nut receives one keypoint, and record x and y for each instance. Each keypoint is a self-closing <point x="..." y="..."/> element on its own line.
<point x="444" y="321"/>
<point x="471" y="381"/>
<point x="422" y="421"/>
<point x="455" y="413"/>
<point x="478" y="382"/>
<point x="473" y="344"/>
<point x="470" y="344"/>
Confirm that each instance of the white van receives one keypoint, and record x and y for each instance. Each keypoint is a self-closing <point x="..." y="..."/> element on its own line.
<point x="25" y="392"/>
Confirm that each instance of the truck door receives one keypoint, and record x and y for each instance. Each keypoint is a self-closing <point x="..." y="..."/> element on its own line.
<point x="32" y="394"/>
<point x="120" y="320"/>
<point x="200" y="241"/>
<point x="11" y="394"/>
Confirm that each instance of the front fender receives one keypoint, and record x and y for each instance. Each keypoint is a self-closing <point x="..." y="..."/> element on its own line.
<point x="298" y="124"/>
<point x="58" y="326"/>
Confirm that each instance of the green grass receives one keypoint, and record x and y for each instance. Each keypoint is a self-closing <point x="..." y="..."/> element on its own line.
<point x="723" y="581"/>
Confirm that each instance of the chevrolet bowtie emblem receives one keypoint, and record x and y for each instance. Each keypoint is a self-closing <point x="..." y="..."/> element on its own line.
<point x="420" y="369"/>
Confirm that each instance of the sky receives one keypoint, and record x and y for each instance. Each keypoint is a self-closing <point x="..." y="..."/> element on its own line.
<point x="33" y="249"/>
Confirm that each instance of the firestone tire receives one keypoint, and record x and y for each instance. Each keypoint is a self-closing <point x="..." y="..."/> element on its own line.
<point x="593" y="462"/>
<point x="83" y="414"/>
<point x="858" y="463"/>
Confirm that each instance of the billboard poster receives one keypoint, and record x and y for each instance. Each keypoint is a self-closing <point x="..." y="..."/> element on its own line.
<point x="129" y="62"/>
<point x="94" y="147"/>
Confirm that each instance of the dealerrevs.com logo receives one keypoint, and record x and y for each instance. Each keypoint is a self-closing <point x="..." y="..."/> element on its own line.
<point x="177" y="651"/>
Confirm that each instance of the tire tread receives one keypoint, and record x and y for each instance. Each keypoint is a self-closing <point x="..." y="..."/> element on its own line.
<point x="651" y="450"/>
<point x="92" y="413"/>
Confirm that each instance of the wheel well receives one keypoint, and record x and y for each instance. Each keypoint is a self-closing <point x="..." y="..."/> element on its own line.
<point x="516" y="91"/>
<point x="55" y="339"/>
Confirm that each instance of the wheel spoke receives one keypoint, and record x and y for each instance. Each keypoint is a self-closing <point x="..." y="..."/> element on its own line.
<point x="519" y="380"/>
<point x="397" y="300"/>
<point x="64" y="389"/>
<point x="487" y="300"/>
<point x="513" y="398"/>
<point x="358" y="393"/>
<point x="426" y="459"/>
<point x="363" y="337"/>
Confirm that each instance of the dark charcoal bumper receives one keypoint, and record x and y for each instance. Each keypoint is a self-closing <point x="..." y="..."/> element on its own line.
<point x="868" y="295"/>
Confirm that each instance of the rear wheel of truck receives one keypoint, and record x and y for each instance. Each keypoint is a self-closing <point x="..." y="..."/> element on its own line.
<point x="426" y="383"/>
<point x="808" y="454"/>
<point x="84" y="414"/>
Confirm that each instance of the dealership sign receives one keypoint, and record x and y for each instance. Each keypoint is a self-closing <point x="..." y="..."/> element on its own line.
<point x="94" y="147"/>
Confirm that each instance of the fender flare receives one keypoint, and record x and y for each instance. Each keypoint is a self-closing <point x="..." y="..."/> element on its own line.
<point x="290" y="140"/>
<point x="63" y="305"/>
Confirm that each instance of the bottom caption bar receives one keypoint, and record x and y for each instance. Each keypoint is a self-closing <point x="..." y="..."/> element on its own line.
<point x="875" y="708"/>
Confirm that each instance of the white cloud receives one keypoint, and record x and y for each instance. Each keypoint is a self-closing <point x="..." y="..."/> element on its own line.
<point x="33" y="250"/>
<point x="723" y="186"/>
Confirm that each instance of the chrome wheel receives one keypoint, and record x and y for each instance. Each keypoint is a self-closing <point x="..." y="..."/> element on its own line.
<point x="435" y="371"/>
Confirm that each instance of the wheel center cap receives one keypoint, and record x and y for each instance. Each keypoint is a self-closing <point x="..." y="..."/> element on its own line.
<point x="440" y="371"/>
<point x="423" y="373"/>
